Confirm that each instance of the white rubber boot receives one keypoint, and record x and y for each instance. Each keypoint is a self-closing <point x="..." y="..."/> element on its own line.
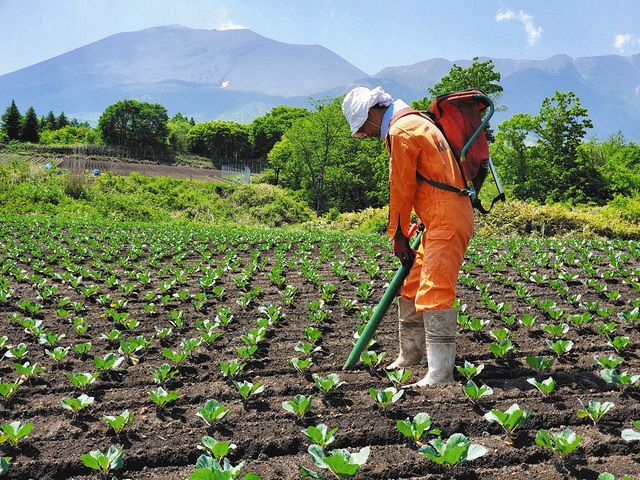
<point x="440" y="332"/>
<point x="411" y="333"/>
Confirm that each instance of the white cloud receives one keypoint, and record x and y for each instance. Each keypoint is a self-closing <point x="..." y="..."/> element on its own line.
<point x="225" y="23"/>
<point x="533" y="32"/>
<point x="626" y="43"/>
<point x="621" y="41"/>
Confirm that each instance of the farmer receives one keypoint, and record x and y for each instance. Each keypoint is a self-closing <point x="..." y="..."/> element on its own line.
<point x="416" y="146"/>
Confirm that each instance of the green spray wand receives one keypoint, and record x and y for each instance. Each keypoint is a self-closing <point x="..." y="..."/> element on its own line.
<point x="373" y="323"/>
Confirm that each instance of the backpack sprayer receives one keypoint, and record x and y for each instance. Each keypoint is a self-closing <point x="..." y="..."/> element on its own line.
<point x="462" y="118"/>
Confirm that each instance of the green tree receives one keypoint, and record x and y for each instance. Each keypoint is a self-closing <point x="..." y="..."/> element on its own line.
<point x="61" y="121"/>
<point x="70" y="135"/>
<point x="538" y="154"/>
<point x="139" y="127"/>
<point x="29" y="131"/>
<point x="478" y="75"/>
<point x="220" y="140"/>
<point x="11" y="120"/>
<point x="617" y="160"/>
<point x="179" y="127"/>
<point x="51" y="122"/>
<point x="279" y="157"/>
<point x="267" y="130"/>
<point x="318" y="157"/>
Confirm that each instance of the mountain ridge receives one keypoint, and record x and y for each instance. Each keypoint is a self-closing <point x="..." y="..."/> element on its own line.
<point x="240" y="74"/>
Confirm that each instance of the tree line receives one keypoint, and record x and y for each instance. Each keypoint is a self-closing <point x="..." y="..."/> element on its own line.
<point x="144" y="129"/>
<point x="542" y="157"/>
<point x="28" y="128"/>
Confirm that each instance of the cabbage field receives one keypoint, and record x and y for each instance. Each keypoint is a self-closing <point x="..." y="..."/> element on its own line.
<point x="174" y="352"/>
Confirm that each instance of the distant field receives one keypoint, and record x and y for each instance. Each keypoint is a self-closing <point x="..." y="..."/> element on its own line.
<point x="79" y="163"/>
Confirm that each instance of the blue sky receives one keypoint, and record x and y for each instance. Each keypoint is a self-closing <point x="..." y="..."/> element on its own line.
<point x="370" y="34"/>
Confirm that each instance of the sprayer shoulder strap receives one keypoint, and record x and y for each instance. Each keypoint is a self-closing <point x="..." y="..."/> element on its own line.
<point x="419" y="176"/>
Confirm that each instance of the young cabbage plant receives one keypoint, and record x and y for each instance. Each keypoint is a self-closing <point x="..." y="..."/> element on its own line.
<point x="104" y="462"/>
<point x="621" y="380"/>
<point x="455" y="450"/>
<point x="118" y="423"/>
<point x="161" y="397"/>
<point x="8" y="389"/>
<point x="469" y="370"/>
<point x="556" y="331"/>
<point x="610" y="362"/>
<point x="372" y="359"/>
<point x="539" y="363"/>
<point x="177" y="319"/>
<point x="560" y="347"/>
<point x="415" y="428"/>
<point x="4" y="465"/>
<point x="301" y="364"/>
<point x="321" y="435"/>
<point x="386" y="397"/>
<point x="174" y="356"/>
<point x="327" y="384"/>
<point x="253" y="336"/>
<point x="619" y="343"/>
<point x="398" y="377"/>
<point x="300" y="405"/>
<point x="509" y="420"/>
<point x="82" y="380"/>
<point x="14" y="432"/>
<point x="218" y="448"/>
<point x="546" y="387"/>
<point x="212" y="411"/>
<point x="232" y="369"/>
<point x="246" y="352"/>
<point x="607" y="329"/>
<point x="312" y="334"/>
<point x="527" y="320"/>
<point x="475" y="324"/>
<point x="163" y="373"/>
<point x="340" y="462"/>
<point x="208" y="468"/>
<point x="594" y="410"/>
<point x="78" y="404"/>
<point x="629" y="434"/>
<point x="18" y="352"/>
<point x="111" y="336"/>
<point x="209" y="336"/>
<point x="306" y="348"/>
<point x="82" y="348"/>
<point x="610" y="476"/>
<point x="581" y="319"/>
<point x="247" y="389"/>
<point x="475" y="392"/>
<point x="502" y="348"/>
<point x="108" y="362"/>
<point x="50" y="338"/>
<point x="28" y="371"/>
<point x="560" y="443"/>
<point x="57" y="354"/>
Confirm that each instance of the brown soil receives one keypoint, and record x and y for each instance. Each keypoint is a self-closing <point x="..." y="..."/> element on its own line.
<point x="161" y="444"/>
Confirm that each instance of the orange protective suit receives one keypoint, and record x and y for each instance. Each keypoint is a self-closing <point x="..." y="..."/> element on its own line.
<point x="416" y="144"/>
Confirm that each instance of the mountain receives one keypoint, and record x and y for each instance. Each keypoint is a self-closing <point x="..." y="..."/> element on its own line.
<point x="239" y="75"/>
<point x="175" y="61"/>
<point x="609" y="86"/>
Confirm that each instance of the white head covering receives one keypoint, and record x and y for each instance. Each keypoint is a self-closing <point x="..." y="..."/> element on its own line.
<point x="358" y="101"/>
